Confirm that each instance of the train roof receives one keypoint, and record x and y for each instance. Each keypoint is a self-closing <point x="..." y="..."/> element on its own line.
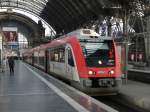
<point x="79" y="34"/>
<point x="87" y="34"/>
<point x="83" y="32"/>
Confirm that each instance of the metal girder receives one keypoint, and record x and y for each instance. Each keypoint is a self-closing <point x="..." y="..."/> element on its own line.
<point x="22" y="5"/>
<point x="24" y="9"/>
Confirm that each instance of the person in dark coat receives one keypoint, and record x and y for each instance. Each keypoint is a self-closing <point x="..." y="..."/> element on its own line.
<point x="11" y="64"/>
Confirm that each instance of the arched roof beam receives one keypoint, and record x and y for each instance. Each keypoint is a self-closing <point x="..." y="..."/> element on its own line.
<point x="18" y="4"/>
<point x="32" y="6"/>
<point x="24" y="9"/>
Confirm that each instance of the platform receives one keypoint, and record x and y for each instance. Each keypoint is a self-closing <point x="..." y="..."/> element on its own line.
<point x="141" y="74"/>
<point x="31" y="90"/>
<point x="143" y="69"/>
<point x="135" y="94"/>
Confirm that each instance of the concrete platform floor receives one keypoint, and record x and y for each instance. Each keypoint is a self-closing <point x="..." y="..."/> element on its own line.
<point x="136" y="93"/>
<point x="31" y="90"/>
<point x="23" y="92"/>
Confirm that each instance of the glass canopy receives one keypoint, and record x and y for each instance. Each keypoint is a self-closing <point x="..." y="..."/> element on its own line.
<point x="33" y="6"/>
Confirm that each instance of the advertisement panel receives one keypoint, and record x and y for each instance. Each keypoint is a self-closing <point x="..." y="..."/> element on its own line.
<point x="10" y="36"/>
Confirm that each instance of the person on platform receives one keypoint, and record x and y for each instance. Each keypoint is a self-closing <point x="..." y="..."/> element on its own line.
<point x="11" y="64"/>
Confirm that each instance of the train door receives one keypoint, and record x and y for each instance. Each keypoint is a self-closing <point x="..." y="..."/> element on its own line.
<point x="69" y="63"/>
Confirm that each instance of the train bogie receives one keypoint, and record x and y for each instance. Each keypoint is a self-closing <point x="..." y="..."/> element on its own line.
<point x="98" y="86"/>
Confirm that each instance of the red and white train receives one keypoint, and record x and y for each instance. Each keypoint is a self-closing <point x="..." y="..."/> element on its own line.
<point x="89" y="62"/>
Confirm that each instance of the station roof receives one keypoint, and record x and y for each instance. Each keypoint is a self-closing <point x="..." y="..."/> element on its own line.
<point x="33" y="6"/>
<point x="67" y="15"/>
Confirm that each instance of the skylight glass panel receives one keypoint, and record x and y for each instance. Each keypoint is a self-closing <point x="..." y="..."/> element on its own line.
<point x="34" y="5"/>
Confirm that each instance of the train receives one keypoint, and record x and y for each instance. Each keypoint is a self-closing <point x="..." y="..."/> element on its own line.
<point x="88" y="61"/>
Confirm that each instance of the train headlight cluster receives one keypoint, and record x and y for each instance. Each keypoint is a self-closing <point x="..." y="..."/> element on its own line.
<point x="111" y="72"/>
<point x="90" y="72"/>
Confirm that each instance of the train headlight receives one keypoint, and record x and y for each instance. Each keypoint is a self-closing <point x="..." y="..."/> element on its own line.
<point x="90" y="72"/>
<point x="100" y="62"/>
<point x="111" y="72"/>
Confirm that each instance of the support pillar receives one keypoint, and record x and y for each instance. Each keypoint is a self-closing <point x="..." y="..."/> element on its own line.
<point x="147" y="42"/>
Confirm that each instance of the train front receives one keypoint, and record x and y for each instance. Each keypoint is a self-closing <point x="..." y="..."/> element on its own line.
<point x="101" y="74"/>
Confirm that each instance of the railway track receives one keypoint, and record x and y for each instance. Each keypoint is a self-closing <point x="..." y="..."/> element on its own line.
<point x="119" y="104"/>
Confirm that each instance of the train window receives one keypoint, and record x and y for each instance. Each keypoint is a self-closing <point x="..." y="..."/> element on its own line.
<point x="57" y="54"/>
<point x="36" y="55"/>
<point x="52" y="57"/>
<point x="62" y="54"/>
<point x="41" y="58"/>
<point x="70" y="58"/>
<point x="98" y="54"/>
<point x="94" y="46"/>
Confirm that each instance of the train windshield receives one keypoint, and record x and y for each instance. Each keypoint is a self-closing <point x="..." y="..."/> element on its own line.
<point x="99" y="54"/>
